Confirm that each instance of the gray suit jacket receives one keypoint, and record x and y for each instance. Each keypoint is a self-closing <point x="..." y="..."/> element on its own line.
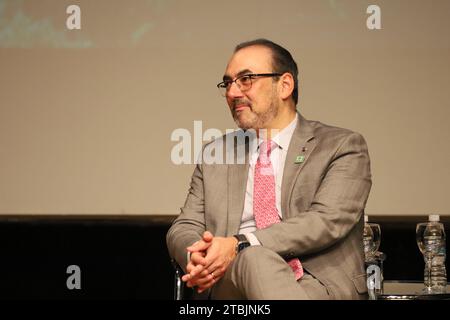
<point x="322" y="200"/>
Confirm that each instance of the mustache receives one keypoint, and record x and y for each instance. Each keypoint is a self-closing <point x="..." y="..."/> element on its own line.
<point x="241" y="101"/>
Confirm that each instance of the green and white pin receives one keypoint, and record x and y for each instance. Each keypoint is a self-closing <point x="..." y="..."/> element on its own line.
<point x="299" y="159"/>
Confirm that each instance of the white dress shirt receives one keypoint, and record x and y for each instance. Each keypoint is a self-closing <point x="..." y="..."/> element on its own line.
<point x="278" y="158"/>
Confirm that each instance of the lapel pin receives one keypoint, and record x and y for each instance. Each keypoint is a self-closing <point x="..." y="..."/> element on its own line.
<point x="299" y="159"/>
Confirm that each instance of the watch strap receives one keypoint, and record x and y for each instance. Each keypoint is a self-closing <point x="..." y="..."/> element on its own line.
<point x="241" y="238"/>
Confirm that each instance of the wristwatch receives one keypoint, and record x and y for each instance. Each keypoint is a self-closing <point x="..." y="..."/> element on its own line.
<point x="242" y="242"/>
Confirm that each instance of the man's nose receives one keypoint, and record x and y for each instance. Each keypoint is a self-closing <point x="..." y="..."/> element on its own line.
<point x="234" y="91"/>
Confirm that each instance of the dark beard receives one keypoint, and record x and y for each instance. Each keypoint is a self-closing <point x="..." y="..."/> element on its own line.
<point x="259" y="120"/>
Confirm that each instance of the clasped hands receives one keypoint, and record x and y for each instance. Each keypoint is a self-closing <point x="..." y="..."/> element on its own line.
<point x="210" y="258"/>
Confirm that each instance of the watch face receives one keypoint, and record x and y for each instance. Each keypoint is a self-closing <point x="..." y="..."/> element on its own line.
<point x="243" y="245"/>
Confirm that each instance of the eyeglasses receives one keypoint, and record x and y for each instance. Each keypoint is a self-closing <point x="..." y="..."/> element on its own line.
<point x="243" y="82"/>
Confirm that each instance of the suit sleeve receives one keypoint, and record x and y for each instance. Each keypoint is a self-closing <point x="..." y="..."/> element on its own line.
<point x="190" y="224"/>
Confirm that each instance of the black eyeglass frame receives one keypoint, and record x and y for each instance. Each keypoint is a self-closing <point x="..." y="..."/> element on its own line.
<point x="224" y="85"/>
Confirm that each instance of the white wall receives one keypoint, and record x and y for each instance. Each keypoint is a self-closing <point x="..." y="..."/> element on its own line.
<point x="86" y="115"/>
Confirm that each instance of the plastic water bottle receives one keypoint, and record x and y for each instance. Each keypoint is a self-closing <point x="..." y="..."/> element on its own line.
<point x="368" y="242"/>
<point x="371" y="239"/>
<point x="431" y="241"/>
<point x="373" y="258"/>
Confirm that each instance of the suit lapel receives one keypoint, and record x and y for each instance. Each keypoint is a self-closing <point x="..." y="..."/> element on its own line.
<point x="237" y="186"/>
<point x="300" y="147"/>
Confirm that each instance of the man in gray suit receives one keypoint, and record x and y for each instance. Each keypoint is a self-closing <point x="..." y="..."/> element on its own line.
<point x="287" y="222"/>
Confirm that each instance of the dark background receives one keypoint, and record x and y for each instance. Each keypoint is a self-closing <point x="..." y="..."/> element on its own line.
<point x="126" y="257"/>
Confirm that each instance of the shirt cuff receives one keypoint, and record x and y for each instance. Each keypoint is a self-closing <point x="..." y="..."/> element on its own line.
<point x="252" y="239"/>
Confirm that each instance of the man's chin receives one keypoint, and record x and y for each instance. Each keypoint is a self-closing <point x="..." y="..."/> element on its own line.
<point x="243" y="123"/>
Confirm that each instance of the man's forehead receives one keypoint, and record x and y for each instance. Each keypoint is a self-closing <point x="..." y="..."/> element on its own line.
<point x="255" y="59"/>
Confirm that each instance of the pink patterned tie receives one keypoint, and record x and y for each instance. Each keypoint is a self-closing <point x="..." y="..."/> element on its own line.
<point x="264" y="205"/>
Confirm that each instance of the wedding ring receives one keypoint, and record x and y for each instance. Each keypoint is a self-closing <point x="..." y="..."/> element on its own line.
<point x="212" y="273"/>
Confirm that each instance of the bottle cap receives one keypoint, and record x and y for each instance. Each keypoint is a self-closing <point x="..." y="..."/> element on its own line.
<point x="433" y="217"/>
<point x="366" y="218"/>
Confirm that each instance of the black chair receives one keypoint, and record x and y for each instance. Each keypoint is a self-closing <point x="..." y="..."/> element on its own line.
<point x="178" y="290"/>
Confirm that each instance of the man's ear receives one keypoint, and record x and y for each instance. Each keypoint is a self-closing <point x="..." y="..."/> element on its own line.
<point x="286" y="85"/>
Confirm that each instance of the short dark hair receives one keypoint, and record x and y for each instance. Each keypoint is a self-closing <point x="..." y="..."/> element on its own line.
<point x="282" y="60"/>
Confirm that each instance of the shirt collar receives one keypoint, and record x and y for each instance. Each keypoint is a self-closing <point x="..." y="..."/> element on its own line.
<point x="283" y="137"/>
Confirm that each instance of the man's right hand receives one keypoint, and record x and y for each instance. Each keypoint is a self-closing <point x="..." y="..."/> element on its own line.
<point x="209" y="260"/>
<point x="197" y="274"/>
<point x="203" y="244"/>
